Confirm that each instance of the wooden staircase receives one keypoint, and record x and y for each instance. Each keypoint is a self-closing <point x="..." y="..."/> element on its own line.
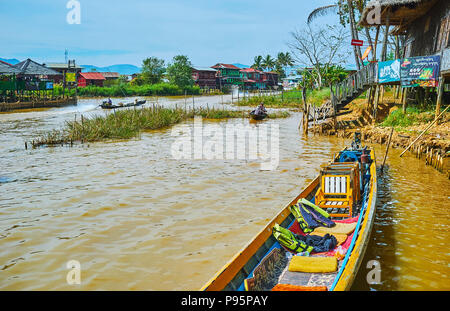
<point x="354" y="85"/>
<point x="345" y="92"/>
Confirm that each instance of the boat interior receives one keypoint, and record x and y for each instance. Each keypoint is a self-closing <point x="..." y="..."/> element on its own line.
<point x="312" y="239"/>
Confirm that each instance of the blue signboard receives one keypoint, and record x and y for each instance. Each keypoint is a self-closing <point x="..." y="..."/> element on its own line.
<point x="389" y="71"/>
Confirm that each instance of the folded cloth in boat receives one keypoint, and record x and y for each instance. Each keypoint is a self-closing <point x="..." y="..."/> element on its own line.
<point x="293" y="288"/>
<point x="320" y="244"/>
<point x="313" y="264"/>
<point x="319" y="218"/>
<point x="339" y="237"/>
<point x="339" y="228"/>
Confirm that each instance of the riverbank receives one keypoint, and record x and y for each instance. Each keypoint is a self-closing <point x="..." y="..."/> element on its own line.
<point x="38" y="104"/>
<point x="129" y="123"/>
<point x="433" y="146"/>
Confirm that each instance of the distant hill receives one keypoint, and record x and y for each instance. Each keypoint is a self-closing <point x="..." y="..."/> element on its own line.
<point x="11" y="61"/>
<point x="123" y="69"/>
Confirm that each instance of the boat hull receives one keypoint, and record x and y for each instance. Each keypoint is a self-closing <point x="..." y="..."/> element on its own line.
<point x="139" y="103"/>
<point x="231" y="276"/>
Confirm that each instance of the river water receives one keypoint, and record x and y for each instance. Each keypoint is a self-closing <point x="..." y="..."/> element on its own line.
<point x="135" y="218"/>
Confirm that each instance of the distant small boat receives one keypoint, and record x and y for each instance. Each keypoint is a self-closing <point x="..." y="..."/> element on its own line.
<point x="105" y="105"/>
<point x="260" y="116"/>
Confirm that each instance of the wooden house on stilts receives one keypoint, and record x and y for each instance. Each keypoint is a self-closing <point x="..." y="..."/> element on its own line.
<point x="424" y="26"/>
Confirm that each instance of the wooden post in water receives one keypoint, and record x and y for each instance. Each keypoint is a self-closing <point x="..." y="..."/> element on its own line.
<point x="439" y="96"/>
<point x="387" y="149"/>
<point x="404" y="99"/>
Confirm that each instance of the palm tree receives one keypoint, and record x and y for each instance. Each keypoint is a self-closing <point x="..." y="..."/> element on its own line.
<point x="284" y="60"/>
<point x="257" y="62"/>
<point x="268" y="62"/>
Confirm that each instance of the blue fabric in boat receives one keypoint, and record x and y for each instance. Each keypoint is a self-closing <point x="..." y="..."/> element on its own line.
<point x="321" y="244"/>
<point x="322" y="220"/>
<point x="309" y="218"/>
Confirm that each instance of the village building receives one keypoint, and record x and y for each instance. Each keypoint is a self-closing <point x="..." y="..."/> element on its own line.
<point x="70" y="67"/>
<point x="227" y="75"/>
<point x="111" y="75"/>
<point x="425" y="24"/>
<point x="270" y="78"/>
<point x="291" y="82"/>
<point x="252" y="79"/>
<point x="90" y="78"/>
<point x="204" y="77"/>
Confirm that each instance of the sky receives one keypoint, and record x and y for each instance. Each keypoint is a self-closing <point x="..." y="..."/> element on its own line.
<point x="127" y="31"/>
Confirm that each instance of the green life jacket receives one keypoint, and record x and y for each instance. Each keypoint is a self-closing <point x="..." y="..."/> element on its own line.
<point x="295" y="210"/>
<point x="288" y="240"/>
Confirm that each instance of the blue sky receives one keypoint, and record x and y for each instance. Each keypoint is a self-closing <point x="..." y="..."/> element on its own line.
<point x="118" y="31"/>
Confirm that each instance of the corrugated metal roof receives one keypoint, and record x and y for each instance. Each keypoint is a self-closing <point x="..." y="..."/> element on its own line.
<point x="62" y="66"/>
<point x="204" y="69"/>
<point x="228" y="66"/>
<point x="6" y="68"/>
<point x="110" y="74"/>
<point x="92" y="75"/>
<point x="29" y="67"/>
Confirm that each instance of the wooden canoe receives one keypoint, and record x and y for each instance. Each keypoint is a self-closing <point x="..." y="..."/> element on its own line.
<point x="258" y="116"/>
<point x="243" y="264"/>
<point x="138" y="103"/>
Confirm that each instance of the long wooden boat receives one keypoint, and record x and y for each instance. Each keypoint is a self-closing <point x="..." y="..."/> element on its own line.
<point x="138" y="103"/>
<point x="255" y="259"/>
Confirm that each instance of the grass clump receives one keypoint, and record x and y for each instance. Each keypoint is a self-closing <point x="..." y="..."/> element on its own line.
<point x="270" y="102"/>
<point x="412" y="116"/>
<point x="128" y="123"/>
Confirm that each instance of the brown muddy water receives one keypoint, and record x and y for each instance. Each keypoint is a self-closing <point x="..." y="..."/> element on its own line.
<point x="137" y="219"/>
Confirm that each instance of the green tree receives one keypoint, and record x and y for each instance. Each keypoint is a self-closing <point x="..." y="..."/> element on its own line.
<point x="257" y="63"/>
<point x="268" y="62"/>
<point x="283" y="60"/>
<point x="152" y="70"/>
<point x="179" y="72"/>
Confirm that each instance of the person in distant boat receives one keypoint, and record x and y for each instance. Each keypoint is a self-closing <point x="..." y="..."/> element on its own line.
<point x="109" y="101"/>
<point x="135" y="101"/>
<point x="260" y="109"/>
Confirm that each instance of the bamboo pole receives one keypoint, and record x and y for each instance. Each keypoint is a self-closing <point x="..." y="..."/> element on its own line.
<point x="423" y="132"/>
<point x="387" y="148"/>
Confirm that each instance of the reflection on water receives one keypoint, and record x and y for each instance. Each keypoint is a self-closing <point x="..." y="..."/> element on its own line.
<point x="136" y="219"/>
<point x="411" y="230"/>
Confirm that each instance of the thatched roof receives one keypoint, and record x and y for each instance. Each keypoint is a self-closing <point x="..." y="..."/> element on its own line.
<point x="401" y="12"/>
<point x="7" y="69"/>
<point x="29" y="67"/>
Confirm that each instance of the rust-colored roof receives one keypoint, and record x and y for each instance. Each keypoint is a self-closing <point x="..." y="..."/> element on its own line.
<point x="228" y="66"/>
<point x="250" y="70"/>
<point x="92" y="75"/>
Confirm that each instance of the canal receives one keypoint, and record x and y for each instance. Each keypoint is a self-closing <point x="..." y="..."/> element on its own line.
<point x="138" y="219"/>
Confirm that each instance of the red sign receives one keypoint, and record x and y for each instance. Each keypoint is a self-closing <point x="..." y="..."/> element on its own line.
<point x="357" y="42"/>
